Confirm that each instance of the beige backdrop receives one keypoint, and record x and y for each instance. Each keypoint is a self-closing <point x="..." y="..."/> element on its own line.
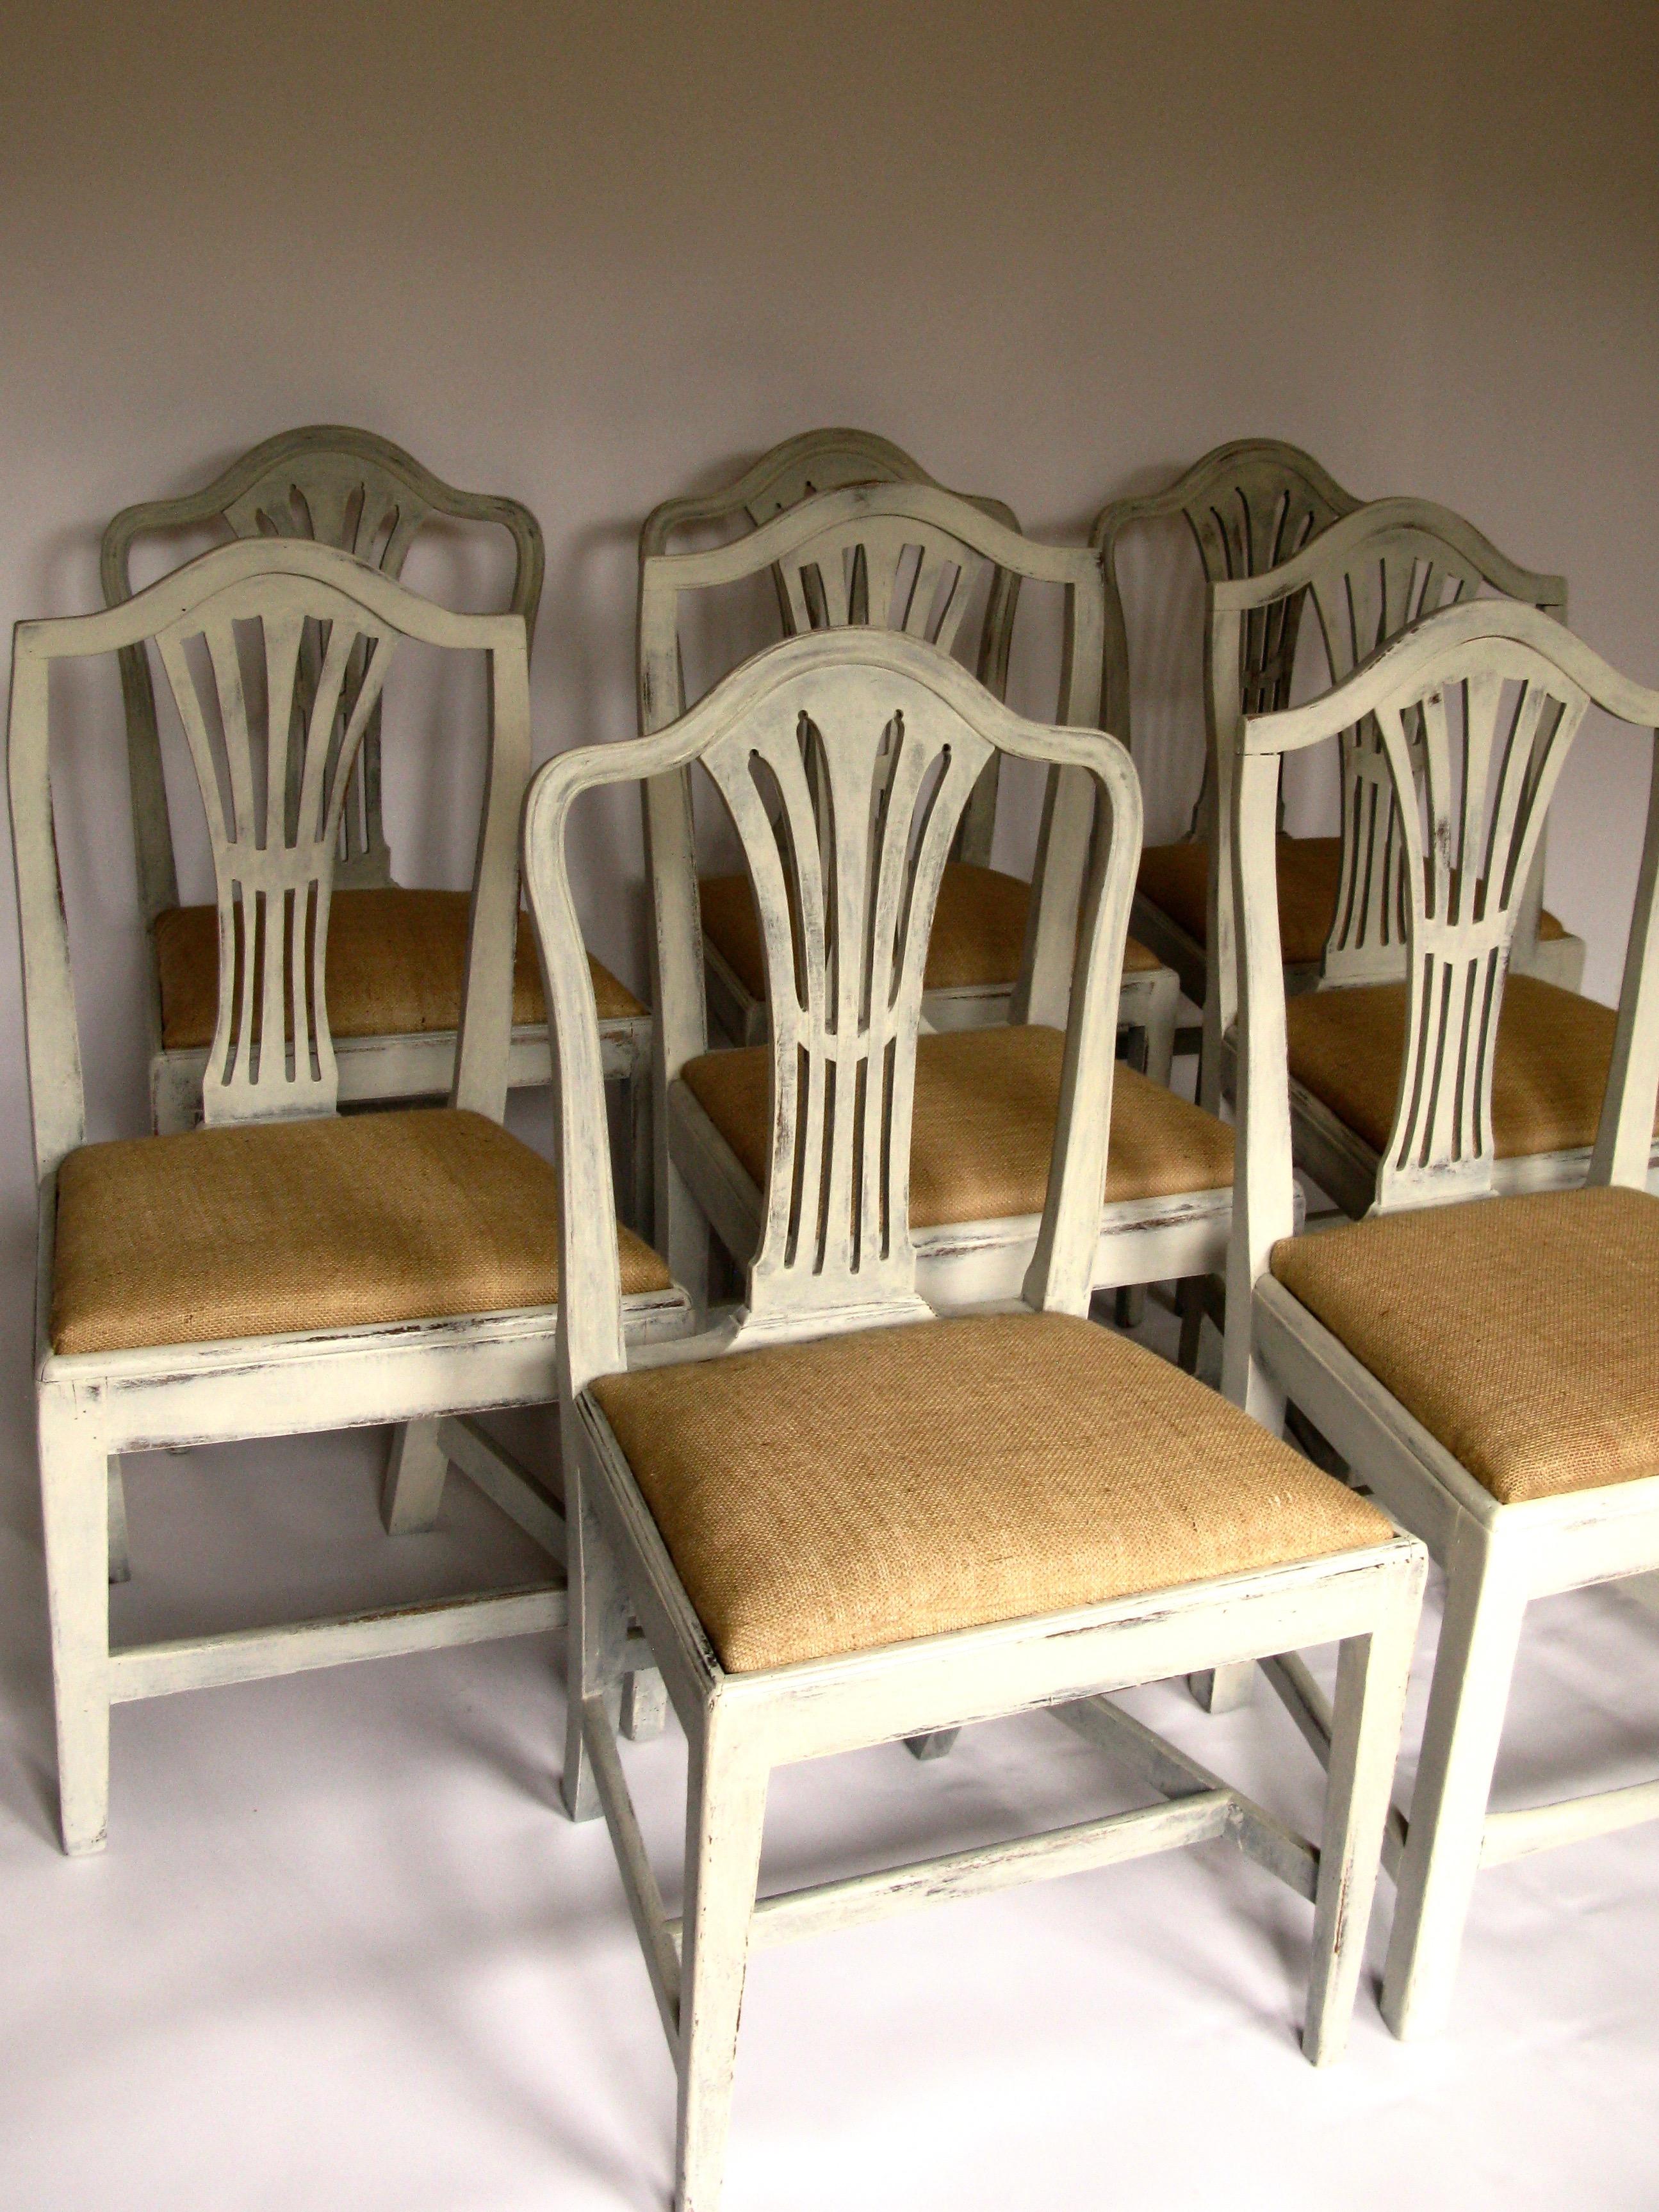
<point x="595" y="252"/>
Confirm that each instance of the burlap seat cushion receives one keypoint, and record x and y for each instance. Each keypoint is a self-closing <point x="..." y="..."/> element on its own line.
<point x="1549" y="1074"/>
<point x="1534" y="1395"/>
<point x="856" y="1491"/>
<point x="395" y="965"/>
<point x="1176" y="879"/>
<point x="983" y="1125"/>
<point x="977" y="941"/>
<point x="283" y="1226"/>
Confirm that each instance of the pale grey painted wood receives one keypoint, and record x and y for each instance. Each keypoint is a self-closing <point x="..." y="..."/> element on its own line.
<point x="1477" y="708"/>
<point x="91" y="1406"/>
<point x="895" y="733"/>
<point x="348" y="488"/>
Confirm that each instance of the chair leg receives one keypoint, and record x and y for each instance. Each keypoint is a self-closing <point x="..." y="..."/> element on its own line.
<point x="416" y="1469"/>
<point x="726" y="1810"/>
<point x="1129" y="1306"/>
<point x="1371" y="1676"/>
<point x="1189" y="1299"/>
<point x="120" y="1563"/>
<point x="1225" y="1689"/>
<point x="596" y="1627"/>
<point x="683" y="1237"/>
<point x="644" y="1705"/>
<point x="1485" y="1603"/>
<point x="1161" y="1029"/>
<point x="75" y="1505"/>
<point x="641" y="1150"/>
<point x="939" y="1744"/>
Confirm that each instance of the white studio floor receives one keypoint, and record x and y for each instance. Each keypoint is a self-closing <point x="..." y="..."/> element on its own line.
<point x="344" y="1953"/>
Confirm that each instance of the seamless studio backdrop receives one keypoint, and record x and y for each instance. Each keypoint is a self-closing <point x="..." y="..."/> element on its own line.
<point x="591" y="255"/>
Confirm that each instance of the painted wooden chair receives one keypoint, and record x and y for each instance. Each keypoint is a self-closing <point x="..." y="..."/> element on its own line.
<point x="987" y="1096"/>
<point x="842" y="1521"/>
<point x="1486" y="1366"/>
<point x="396" y="955"/>
<point x="1253" y="507"/>
<point x="974" y="960"/>
<point x="283" y="1268"/>
<point x="1368" y="577"/>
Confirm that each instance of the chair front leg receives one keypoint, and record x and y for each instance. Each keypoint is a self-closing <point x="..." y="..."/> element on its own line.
<point x="1486" y="1602"/>
<point x="75" y="1497"/>
<point x="1372" y="1672"/>
<point x="726" y="1811"/>
<point x="415" y="1471"/>
<point x="120" y="1562"/>
<point x="598" y="1625"/>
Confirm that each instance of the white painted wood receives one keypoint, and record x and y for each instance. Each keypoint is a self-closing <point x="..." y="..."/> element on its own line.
<point x="92" y="1407"/>
<point x="350" y="489"/>
<point x="417" y="1465"/>
<point x="864" y="720"/>
<point x="1476" y="709"/>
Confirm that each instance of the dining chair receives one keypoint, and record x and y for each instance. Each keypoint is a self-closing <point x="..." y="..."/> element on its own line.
<point x="1379" y="569"/>
<point x="842" y="1522"/>
<point x="1253" y="507"/>
<point x="283" y="1268"/>
<point x="974" y="957"/>
<point x="1484" y="1362"/>
<point x="397" y="954"/>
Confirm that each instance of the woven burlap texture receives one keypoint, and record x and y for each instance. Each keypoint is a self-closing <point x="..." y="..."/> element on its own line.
<point x="1522" y="1333"/>
<point x="983" y="1128"/>
<point x="1549" y="1074"/>
<point x="316" y="1224"/>
<point x="856" y="1491"/>
<point x="395" y="965"/>
<point x="977" y="940"/>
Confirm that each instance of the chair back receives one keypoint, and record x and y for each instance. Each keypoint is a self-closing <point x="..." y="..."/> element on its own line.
<point x="1251" y="505"/>
<point x="845" y="758"/>
<point x="1475" y="710"/>
<point x="232" y="632"/>
<point x="334" y="486"/>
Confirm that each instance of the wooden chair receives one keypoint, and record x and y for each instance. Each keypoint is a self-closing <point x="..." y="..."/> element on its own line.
<point x="397" y="955"/>
<point x="974" y="961"/>
<point x="1253" y="507"/>
<point x="861" y="1523"/>
<point x="986" y="1097"/>
<point x="282" y="1268"/>
<point x="1379" y="569"/>
<point x="1487" y="1366"/>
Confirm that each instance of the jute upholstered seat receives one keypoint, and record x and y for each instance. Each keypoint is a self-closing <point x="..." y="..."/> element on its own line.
<point x="978" y="937"/>
<point x="983" y="1127"/>
<point x="856" y="1491"/>
<point x="1481" y="1345"/>
<point x="1535" y="1394"/>
<point x="840" y="1521"/>
<point x="336" y="1223"/>
<point x="1176" y="879"/>
<point x="395" y="963"/>
<point x="1347" y="1048"/>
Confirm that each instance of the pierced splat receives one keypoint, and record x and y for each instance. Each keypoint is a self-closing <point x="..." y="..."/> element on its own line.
<point x="273" y="752"/>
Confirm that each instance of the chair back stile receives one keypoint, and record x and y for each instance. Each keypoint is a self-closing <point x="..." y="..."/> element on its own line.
<point x="332" y="486"/>
<point x="1474" y="711"/>
<point x="846" y="759"/>
<point x="273" y="819"/>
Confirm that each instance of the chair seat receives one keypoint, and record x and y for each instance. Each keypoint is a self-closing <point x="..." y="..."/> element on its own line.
<point x="1520" y="1331"/>
<point x="394" y="967"/>
<point x="983" y="1125"/>
<point x="1176" y="879"/>
<point x="977" y="943"/>
<point x="278" y="1226"/>
<point x="856" y="1491"/>
<point x="1550" y="1072"/>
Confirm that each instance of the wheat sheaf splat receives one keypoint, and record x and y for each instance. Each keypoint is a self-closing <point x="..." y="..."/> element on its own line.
<point x="274" y="706"/>
<point x="1474" y="761"/>
<point x="846" y="831"/>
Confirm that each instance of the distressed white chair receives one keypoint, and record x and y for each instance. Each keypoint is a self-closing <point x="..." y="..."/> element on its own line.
<point x="283" y="1268"/>
<point x="987" y="1096"/>
<point x="396" y="955"/>
<point x="974" y="957"/>
<point x="842" y="1521"/>
<point x="1253" y="508"/>
<point x="1368" y="577"/>
<point x="1487" y="1367"/>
